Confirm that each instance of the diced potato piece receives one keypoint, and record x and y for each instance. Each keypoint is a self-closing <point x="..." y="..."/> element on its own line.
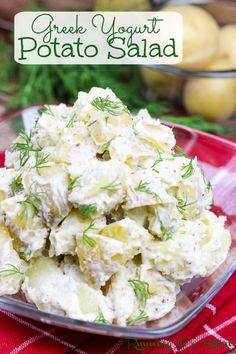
<point x="139" y="215"/>
<point x="102" y="184"/>
<point x="196" y="249"/>
<point x="6" y="178"/>
<point x="11" y="266"/>
<point x="52" y="184"/>
<point x="145" y="188"/>
<point x="63" y="237"/>
<point x="29" y="231"/>
<point x="46" y="284"/>
<point x="153" y="132"/>
<point x="122" y="295"/>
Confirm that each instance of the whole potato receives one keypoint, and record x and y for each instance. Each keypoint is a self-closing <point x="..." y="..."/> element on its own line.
<point x="227" y="45"/>
<point x="164" y="85"/>
<point x="201" y="36"/>
<point x="213" y="99"/>
<point x="122" y="5"/>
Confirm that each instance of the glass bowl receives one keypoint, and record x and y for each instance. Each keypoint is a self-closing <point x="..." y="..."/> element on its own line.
<point x="217" y="157"/>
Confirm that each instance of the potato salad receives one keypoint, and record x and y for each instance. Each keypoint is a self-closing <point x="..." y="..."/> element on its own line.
<point x="102" y="216"/>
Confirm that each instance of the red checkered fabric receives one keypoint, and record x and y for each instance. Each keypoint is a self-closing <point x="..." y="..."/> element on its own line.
<point x="212" y="331"/>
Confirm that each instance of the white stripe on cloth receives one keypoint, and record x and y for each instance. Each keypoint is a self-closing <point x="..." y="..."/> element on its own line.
<point x="206" y="334"/>
<point x="217" y="336"/>
<point x="212" y="308"/>
<point x="47" y="334"/>
<point x="116" y="346"/>
<point x="27" y="343"/>
<point x="170" y="344"/>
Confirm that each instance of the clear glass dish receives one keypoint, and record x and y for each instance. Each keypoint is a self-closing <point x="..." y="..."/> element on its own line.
<point x="217" y="156"/>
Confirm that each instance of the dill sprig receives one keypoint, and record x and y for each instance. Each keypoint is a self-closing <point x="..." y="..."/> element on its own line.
<point x="105" y="147"/>
<point x="112" y="187"/>
<point x="141" y="290"/>
<point x="168" y="233"/>
<point x="71" y="121"/>
<point x="114" y="108"/>
<point x="142" y="316"/>
<point x="144" y="187"/>
<point x="183" y="204"/>
<point x="24" y="148"/>
<point x="74" y="183"/>
<point x="16" y="185"/>
<point x="93" y="122"/>
<point x="32" y="201"/>
<point x="89" y="240"/>
<point x="181" y="152"/>
<point x="160" y="158"/>
<point x="46" y="110"/>
<point x="41" y="161"/>
<point x="188" y="169"/>
<point x="209" y="186"/>
<point x="100" y="318"/>
<point x="12" y="270"/>
<point x="88" y="209"/>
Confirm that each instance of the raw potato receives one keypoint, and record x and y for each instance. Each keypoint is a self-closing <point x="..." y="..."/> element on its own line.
<point x="165" y="86"/>
<point x="213" y="99"/>
<point x="201" y="36"/>
<point x="122" y="5"/>
<point x="227" y="45"/>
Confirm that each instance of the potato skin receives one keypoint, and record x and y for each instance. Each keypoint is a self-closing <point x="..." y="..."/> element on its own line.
<point x="163" y="85"/>
<point x="213" y="99"/>
<point x="201" y="36"/>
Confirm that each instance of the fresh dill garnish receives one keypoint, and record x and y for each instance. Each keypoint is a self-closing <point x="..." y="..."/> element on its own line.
<point x="74" y="183"/>
<point x="93" y="122"/>
<point x="88" y="209"/>
<point x="41" y="161"/>
<point x="100" y="318"/>
<point x="180" y="151"/>
<point x="183" y="204"/>
<point x="23" y="148"/>
<point x="71" y="121"/>
<point x="106" y="120"/>
<point x="114" y="108"/>
<point x="209" y="186"/>
<point x="141" y="290"/>
<point x="159" y="159"/>
<point x="32" y="201"/>
<point x="105" y="147"/>
<point x="89" y="240"/>
<point x="168" y="233"/>
<point x="12" y="270"/>
<point x="144" y="187"/>
<point x="46" y="110"/>
<point x="142" y="316"/>
<point x="188" y="169"/>
<point x="112" y="187"/>
<point x="16" y="185"/>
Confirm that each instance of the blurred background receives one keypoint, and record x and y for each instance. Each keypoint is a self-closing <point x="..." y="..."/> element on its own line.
<point x="200" y="92"/>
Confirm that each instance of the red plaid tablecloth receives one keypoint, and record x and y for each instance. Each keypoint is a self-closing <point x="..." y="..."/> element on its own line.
<point x="212" y="331"/>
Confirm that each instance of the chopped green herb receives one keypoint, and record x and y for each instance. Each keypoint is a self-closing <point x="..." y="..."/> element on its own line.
<point x="142" y="316"/>
<point x="74" y="184"/>
<point x="141" y="290"/>
<point x="12" y="270"/>
<point x="160" y="159"/>
<point x="183" y="204"/>
<point x="180" y="151"/>
<point x="93" y="122"/>
<point x="16" y="185"/>
<point x="106" y="120"/>
<point x="33" y="202"/>
<point x="209" y="186"/>
<point x="100" y="318"/>
<point x="41" y="161"/>
<point x="89" y="240"/>
<point x="71" y="121"/>
<point x="168" y="233"/>
<point x="105" y="146"/>
<point x="114" y="108"/>
<point x="143" y="187"/>
<point x="112" y="187"/>
<point x="88" y="209"/>
<point x="188" y="169"/>
<point x="23" y="148"/>
<point x="46" y="110"/>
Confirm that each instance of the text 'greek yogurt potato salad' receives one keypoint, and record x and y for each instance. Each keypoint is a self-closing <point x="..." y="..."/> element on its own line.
<point x="103" y="217"/>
